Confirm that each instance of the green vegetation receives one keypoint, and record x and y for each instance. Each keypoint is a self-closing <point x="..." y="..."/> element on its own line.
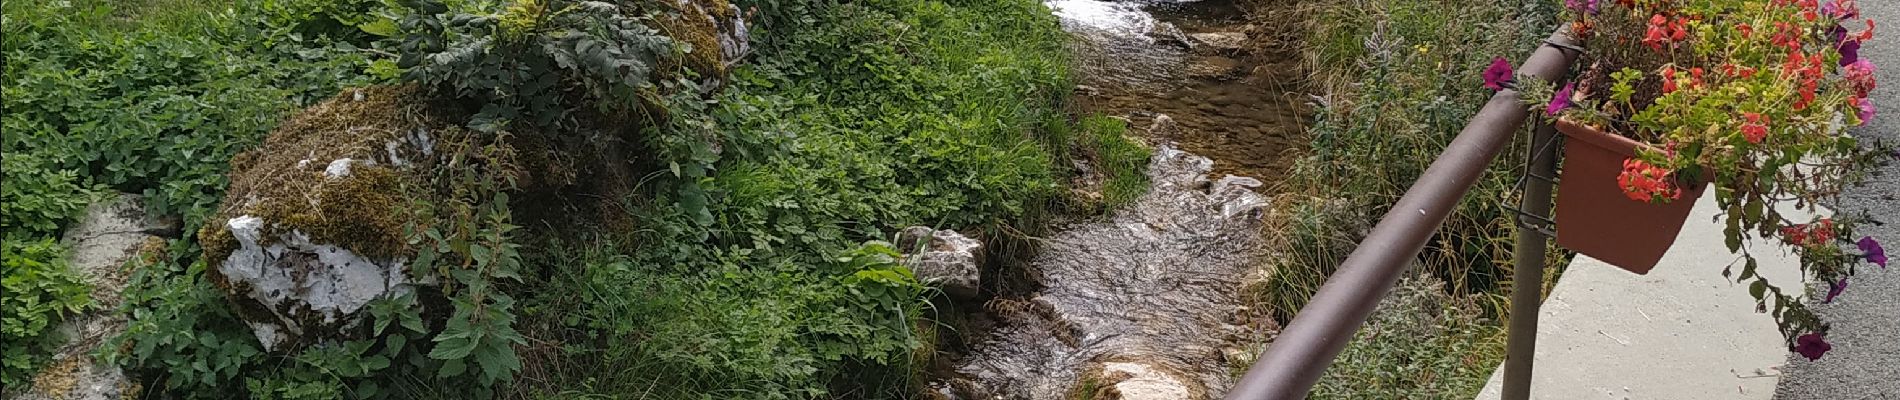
<point x="96" y="100"/>
<point x="37" y="291"/>
<point x="872" y="116"/>
<point x="1420" y="344"/>
<point x="753" y="267"/>
<point x="1400" y="79"/>
<point x="1123" y="162"/>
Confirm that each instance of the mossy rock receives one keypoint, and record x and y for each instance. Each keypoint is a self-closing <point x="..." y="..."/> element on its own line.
<point x="312" y="227"/>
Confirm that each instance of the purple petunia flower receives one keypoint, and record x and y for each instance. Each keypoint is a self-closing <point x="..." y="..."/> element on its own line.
<point x="1836" y="34"/>
<point x="1850" y="52"/>
<point x="1872" y="251"/>
<point x="1498" y="74"/>
<point x="1582" y="6"/>
<point x="1812" y="346"/>
<point x="1835" y="289"/>
<point x="1561" y="100"/>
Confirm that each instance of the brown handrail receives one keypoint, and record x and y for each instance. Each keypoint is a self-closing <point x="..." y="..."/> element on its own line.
<point x="1322" y="328"/>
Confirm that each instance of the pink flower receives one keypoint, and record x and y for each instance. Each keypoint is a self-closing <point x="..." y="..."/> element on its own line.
<point x="1834" y="289"/>
<point x="1498" y="74"/>
<point x="1860" y="74"/>
<point x="1561" y="100"/>
<point x="1812" y="346"/>
<point x="1872" y="251"/>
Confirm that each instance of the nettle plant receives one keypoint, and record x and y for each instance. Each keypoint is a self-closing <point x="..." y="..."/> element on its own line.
<point x="1752" y="96"/>
<point x="535" y="61"/>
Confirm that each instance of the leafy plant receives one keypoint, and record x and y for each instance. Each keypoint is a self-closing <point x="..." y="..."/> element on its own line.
<point x="35" y="198"/>
<point x="37" y="290"/>
<point x="181" y="333"/>
<point x="465" y="242"/>
<point x="527" y="62"/>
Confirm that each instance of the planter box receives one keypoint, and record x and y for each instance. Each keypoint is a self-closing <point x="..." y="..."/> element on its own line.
<point x="1595" y="218"/>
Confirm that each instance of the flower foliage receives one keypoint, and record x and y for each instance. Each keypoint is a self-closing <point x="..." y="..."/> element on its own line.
<point x="1752" y="96"/>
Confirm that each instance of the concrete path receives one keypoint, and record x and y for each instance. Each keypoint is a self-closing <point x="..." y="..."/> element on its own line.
<point x="1865" y="362"/>
<point x="1683" y="332"/>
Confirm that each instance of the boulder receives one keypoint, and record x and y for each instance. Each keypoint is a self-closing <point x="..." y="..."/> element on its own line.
<point x="943" y="258"/>
<point x="105" y="243"/>
<point x="311" y="229"/>
<point x="1141" y="381"/>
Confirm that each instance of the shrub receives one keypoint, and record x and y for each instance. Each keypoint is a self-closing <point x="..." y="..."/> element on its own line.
<point x="541" y="61"/>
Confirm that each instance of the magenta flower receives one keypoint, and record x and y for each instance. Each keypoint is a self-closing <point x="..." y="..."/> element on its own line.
<point x="1582" y="6"/>
<point x="1872" y="251"/>
<point x="1860" y="75"/>
<point x="1834" y="289"/>
<point x="1812" y="346"/>
<point x="1866" y="112"/>
<point x="1498" y="74"/>
<point x="1561" y="100"/>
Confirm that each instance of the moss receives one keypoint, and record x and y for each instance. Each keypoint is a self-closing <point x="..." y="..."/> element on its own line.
<point x="691" y="24"/>
<point x="58" y="378"/>
<point x="283" y="182"/>
<point x="360" y="212"/>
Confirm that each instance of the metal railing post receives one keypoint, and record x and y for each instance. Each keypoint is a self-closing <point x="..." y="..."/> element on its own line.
<point x="1528" y="277"/>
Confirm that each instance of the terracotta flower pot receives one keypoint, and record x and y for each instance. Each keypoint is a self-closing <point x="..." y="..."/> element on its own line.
<point x="1595" y="218"/>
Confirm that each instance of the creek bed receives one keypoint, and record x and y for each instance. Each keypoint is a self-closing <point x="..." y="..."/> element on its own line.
<point x="1146" y="303"/>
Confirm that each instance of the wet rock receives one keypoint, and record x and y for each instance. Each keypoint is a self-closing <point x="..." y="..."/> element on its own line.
<point x="1164" y="128"/>
<point x="105" y="245"/>
<point x="1220" y="42"/>
<point x="1140" y="381"/>
<point x="1214" y="67"/>
<point x="943" y="258"/>
<point x="1167" y="34"/>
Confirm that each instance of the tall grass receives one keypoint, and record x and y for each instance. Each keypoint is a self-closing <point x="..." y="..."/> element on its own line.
<point x="1397" y="80"/>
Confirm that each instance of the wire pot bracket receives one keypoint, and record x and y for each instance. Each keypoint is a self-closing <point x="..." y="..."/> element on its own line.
<point x="1552" y="148"/>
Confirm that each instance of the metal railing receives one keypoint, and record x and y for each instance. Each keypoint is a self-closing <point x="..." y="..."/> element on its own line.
<point x="1308" y="344"/>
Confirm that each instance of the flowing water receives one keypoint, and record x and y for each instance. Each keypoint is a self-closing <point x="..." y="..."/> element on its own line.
<point x="1226" y="72"/>
<point x="1145" y="303"/>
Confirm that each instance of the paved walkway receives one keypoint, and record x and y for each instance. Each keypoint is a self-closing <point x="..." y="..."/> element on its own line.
<point x="1683" y="332"/>
<point x="1865" y="362"/>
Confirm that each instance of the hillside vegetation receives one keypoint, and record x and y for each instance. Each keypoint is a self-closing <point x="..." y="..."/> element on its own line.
<point x="742" y="260"/>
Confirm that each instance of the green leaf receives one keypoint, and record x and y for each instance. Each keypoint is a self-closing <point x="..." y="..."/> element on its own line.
<point x="451" y="368"/>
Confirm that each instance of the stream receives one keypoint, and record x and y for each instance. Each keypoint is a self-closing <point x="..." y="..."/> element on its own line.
<point x="1146" y="303"/>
